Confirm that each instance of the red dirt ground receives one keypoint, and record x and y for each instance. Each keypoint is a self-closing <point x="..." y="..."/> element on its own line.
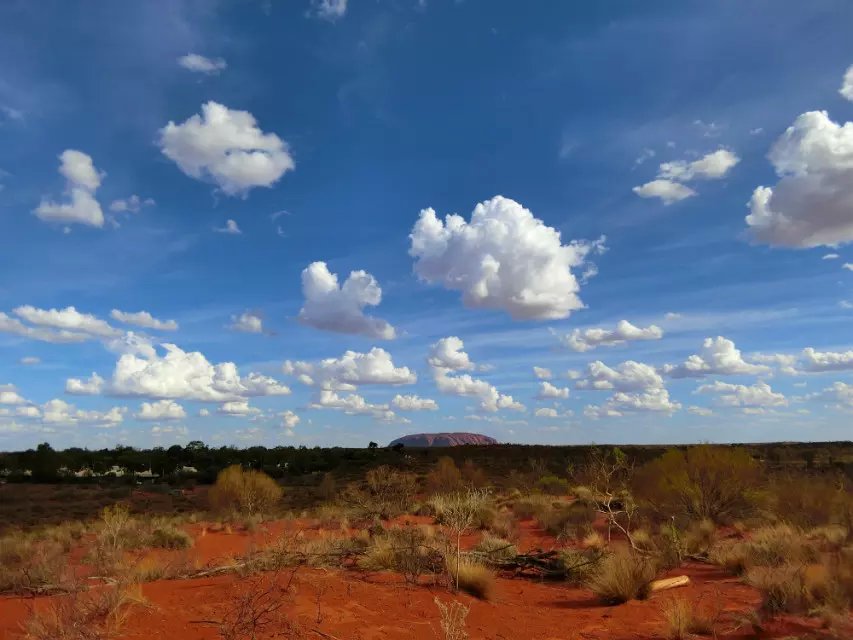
<point x="351" y="605"/>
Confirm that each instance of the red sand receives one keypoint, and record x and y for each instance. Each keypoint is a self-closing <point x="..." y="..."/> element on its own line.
<point x="350" y="605"/>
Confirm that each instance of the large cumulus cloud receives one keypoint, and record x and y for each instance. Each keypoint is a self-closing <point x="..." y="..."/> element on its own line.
<point x="504" y="258"/>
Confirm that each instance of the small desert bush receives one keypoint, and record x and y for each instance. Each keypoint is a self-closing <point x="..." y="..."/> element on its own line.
<point x="576" y="566"/>
<point x="28" y="566"/>
<point x="828" y="537"/>
<point x="700" y="537"/>
<point x="528" y="507"/>
<point x="621" y="577"/>
<point x="472" y="577"/>
<point x="683" y="619"/>
<point x="244" y="491"/>
<point x="810" y="500"/>
<point x="453" y="617"/>
<point x="84" y="615"/>
<point x="552" y="485"/>
<point x="494" y="549"/>
<point x="384" y="494"/>
<point x="410" y="551"/>
<point x="800" y="588"/>
<point x="583" y="494"/>
<point x="778" y="544"/>
<point x="167" y="536"/>
<point x="593" y="540"/>
<point x="332" y="516"/>
<point x="566" y="521"/>
<point x="445" y="477"/>
<point x="504" y="525"/>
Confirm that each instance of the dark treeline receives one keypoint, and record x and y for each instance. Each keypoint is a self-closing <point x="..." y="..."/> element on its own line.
<point x="294" y="463"/>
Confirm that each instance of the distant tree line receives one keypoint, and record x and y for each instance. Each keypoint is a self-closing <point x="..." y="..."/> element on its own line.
<point x="43" y="464"/>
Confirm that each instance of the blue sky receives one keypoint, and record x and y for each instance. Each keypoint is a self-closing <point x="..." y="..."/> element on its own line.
<point x="665" y="216"/>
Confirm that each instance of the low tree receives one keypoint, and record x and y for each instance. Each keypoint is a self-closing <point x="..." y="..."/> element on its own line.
<point x="608" y="475"/>
<point x="704" y="481"/>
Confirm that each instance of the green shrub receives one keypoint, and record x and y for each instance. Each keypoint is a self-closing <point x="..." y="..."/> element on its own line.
<point x="552" y="485"/>
<point x="715" y="482"/>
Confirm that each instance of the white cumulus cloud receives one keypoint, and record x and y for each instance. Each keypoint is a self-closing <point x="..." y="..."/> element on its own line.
<point x="351" y="370"/>
<point x="718" y="356"/>
<point x="542" y="373"/>
<point x="504" y="258"/>
<point x="247" y="322"/>
<point x="446" y="357"/>
<point x="133" y="204"/>
<point x="668" y="191"/>
<point x="82" y="181"/>
<point x="93" y="386"/>
<point x="846" y="89"/>
<point x="548" y="391"/>
<point x="340" y="308"/>
<point x="739" y="395"/>
<point x="669" y="185"/>
<point x="414" y="403"/>
<point x="626" y="376"/>
<point x="226" y="146"/>
<point x="161" y="410"/>
<point x="187" y="375"/>
<point x="588" y="339"/>
<point x="143" y="319"/>
<point x="67" y="319"/>
<point x="330" y="10"/>
<point x="200" y="64"/>
<point x="810" y="205"/>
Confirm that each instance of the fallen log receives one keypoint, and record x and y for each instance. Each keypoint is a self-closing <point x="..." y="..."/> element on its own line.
<point x="669" y="583"/>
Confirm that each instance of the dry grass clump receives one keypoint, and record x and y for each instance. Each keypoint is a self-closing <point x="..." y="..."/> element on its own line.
<point x="165" y="535"/>
<point x="453" y="615"/>
<point x="472" y="577"/>
<point x="829" y="537"/>
<point x="529" y="506"/>
<point x="28" y="566"/>
<point x="245" y="491"/>
<point x="493" y="548"/>
<point x="778" y="544"/>
<point x="84" y="615"/>
<point x="332" y="516"/>
<point x="594" y="540"/>
<point x="771" y="546"/>
<point x="621" y="577"/>
<point x="411" y="551"/>
<point x="504" y="525"/>
<point x="799" y="588"/>
<point x="700" y="537"/>
<point x="684" y="619"/>
<point x="566" y="521"/>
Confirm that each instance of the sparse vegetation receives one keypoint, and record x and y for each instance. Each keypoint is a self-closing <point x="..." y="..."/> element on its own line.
<point x="684" y="619"/>
<point x="622" y="576"/>
<point x="472" y="577"/>
<point x="453" y="615"/>
<point x="244" y="491"/>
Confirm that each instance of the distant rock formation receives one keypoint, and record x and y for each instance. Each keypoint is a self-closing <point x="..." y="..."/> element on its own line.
<point x="442" y="439"/>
